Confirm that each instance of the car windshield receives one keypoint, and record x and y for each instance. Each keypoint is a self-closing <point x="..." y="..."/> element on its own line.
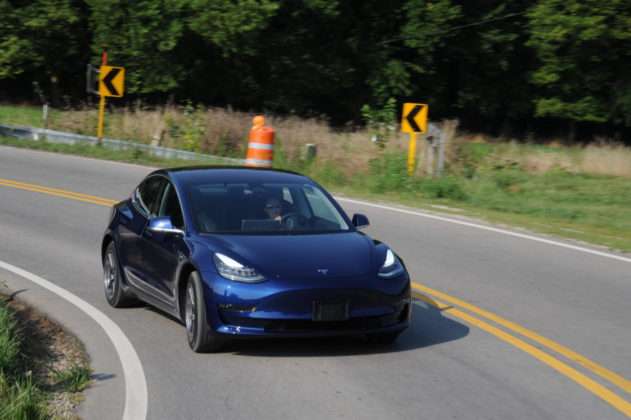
<point x="266" y="208"/>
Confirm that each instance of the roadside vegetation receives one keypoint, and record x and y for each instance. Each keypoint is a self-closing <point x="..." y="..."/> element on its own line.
<point x="43" y="369"/>
<point x="579" y="192"/>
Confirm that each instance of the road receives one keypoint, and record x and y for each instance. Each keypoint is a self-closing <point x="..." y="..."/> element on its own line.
<point x="447" y="365"/>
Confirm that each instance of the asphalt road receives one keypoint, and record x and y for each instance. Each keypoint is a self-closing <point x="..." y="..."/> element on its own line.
<point x="442" y="367"/>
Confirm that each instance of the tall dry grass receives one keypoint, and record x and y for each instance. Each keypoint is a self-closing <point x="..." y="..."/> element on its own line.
<point x="599" y="158"/>
<point x="224" y="131"/>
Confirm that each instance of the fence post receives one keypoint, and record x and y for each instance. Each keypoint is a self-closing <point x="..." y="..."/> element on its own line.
<point x="447" y="133"/>
<point x="429" y="154"/>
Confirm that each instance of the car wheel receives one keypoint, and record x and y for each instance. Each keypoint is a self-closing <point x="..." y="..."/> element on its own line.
<point x="383" y="338"/>
<point x="114" y="293"/>
<point x="201" y="338"/>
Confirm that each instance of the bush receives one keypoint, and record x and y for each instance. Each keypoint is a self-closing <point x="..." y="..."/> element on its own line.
<point x="389" y="173"/>
<point x="447" y="187"/>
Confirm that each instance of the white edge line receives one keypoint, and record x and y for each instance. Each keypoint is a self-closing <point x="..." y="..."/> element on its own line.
<point x="135" y="382"/>
<point x="490" y="229"/>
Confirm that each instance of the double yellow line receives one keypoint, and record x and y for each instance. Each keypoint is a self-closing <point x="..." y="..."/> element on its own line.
<point x="57" y="192"/>
<point x="565" y="369"/>
<point x="435" y="298"/>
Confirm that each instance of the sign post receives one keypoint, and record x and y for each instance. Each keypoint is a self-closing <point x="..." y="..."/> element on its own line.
<point x="413" y="121"/>
<point x="111" y="83"/>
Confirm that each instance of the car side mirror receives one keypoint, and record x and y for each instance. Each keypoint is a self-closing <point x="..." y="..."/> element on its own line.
<point x="163" y="224"/>
<point x="360" y="221"/>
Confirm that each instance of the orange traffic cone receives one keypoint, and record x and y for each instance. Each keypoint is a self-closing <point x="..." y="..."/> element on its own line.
<point x="261" y="144"/>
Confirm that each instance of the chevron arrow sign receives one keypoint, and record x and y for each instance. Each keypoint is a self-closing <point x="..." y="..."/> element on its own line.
<point x="112" y="81"/>
<point x="414" y="118"/>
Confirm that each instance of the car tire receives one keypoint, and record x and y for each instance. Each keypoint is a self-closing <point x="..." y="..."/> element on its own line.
<point x="112" y="280"/>
<point x="200" y="336"/>
<point x="386" y="338"/>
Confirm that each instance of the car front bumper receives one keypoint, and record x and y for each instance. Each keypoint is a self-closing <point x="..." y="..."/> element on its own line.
<point x="267" y="309"/>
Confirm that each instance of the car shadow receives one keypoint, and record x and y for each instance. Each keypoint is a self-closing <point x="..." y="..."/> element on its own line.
<point x="429" y="327"/>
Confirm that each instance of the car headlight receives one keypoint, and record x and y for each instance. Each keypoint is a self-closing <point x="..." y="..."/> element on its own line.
<point x="391" y="267"/>
<point x="234" y="270"/>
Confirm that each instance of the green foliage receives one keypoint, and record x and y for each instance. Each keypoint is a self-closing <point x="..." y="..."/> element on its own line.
<point x="42" y="39"/>
<point x="75" y="378"/>
<point x="584" y="47"/>
<point x="143" y="36"/>
<point x="19" y="397"/>
<point x="448" y="187"/>
<point x="20" y="400"/>
<point x="389" y="173"/>
<point x="231" y="25"/>
<point x="496" y="65"/>
<point x="188" y="132"/>
<point x="381" y="121"/>
<point x="10" y="341"/>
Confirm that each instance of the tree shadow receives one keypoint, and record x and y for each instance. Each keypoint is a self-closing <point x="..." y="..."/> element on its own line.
<point x="428" y="327"/>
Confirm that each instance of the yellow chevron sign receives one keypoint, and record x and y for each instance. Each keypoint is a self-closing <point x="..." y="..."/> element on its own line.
<point x="112" y="81"/>
<point x="414" y="118"/>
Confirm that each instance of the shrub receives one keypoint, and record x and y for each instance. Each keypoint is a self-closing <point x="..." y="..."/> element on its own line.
<point x="447" y="187"/>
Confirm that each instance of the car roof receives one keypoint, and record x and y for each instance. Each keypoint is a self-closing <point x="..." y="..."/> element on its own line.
<point x="232" y="174"/>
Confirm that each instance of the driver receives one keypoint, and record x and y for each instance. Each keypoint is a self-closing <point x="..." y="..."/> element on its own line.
<point x="274" y="209"/>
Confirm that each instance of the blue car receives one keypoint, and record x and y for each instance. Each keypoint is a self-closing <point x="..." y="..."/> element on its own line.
<point x="242" y="252"/>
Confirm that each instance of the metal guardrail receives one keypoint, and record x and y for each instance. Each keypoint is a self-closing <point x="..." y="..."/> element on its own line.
<point x="52" y="136"/>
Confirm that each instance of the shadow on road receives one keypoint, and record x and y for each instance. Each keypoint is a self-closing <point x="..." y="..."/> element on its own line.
<point x="429" y="327"/>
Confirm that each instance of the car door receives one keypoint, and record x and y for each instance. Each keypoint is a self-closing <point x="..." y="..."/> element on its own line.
<point x="163" y="251"/>
<point x="144" y="204"/>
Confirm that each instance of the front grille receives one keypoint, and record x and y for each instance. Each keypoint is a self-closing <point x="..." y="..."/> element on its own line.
<point x="300" y="325"/>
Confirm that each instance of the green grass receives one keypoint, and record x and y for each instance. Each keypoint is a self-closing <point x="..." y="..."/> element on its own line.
<point x="20" y="399"/>
<point x="24" y="115"/>
<point x="76" y="378"/>
<point x="87" y="150"/>
<point x="589" y="208"/>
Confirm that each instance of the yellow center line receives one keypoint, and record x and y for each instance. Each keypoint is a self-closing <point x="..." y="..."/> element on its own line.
<point x="592" y="386"/>
<point x="596" y="368"/>
<point x="589" y="384"/>
<point x="57" y="192"/>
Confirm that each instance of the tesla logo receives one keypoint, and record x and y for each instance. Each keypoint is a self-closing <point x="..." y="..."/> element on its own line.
<point x="323" y="271"/>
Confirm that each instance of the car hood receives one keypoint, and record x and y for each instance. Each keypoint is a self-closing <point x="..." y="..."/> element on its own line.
<point x="343" y="254"/>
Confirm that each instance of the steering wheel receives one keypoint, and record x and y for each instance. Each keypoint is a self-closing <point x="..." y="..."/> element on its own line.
<point x="291" y="220"/>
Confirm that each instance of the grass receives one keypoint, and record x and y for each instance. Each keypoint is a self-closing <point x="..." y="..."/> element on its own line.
<point x="590" y="208"/>
<point x="75" y="378"/>
<point x="42" y="369"/>
<point x="577" y="192"/>
<point x="26" y="115"/>
<point x="19" y="397"/>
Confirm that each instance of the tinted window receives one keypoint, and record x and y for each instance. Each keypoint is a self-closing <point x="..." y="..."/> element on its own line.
<point x="321" y="206"/>
<point x="271" y="208"/>
<point x="171" y="207"/>
<point x="149" y="193"/>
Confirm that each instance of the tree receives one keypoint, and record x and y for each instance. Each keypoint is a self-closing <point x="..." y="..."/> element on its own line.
<point x="584" y="49"/>
<point x="42" y="41"/>
<point x="144" y="36"/>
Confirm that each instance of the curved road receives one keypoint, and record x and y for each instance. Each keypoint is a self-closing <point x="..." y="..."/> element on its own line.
<point x="452" y="363"/>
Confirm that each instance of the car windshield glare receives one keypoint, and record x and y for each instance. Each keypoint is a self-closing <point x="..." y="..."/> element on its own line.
<point x="265" y="208"/>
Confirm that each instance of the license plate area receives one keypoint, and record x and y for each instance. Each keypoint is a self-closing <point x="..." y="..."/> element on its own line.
<point x="330" y="311"/>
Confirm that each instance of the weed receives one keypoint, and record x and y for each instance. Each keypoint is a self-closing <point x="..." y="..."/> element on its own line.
<point x="10" y="341"/>
<point x="447" y="187"/>
<point x="76" y="378"/>
<point x="21" y="400"/>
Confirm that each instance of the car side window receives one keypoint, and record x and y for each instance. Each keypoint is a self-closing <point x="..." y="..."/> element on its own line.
<point x="171" y="207"/>
<point x="149" y="193"/>
<point x="322" y="208"/>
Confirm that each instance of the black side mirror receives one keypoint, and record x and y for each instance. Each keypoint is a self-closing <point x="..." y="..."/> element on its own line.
<point x="360" y="221"/>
